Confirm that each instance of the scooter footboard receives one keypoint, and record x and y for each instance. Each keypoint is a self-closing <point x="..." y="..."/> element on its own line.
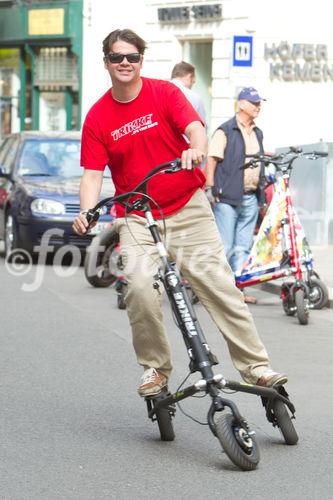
<point x="264" y="392"/>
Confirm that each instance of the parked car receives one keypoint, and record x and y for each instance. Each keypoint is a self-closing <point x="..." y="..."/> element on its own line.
<point x="39" y="190"/>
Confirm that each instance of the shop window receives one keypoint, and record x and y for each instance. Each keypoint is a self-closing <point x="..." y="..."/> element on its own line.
<point x="56" y="68"/>
<point x="9" y="91"/>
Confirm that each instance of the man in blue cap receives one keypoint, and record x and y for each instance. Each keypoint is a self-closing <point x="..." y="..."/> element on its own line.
<point x="236" y="193"/>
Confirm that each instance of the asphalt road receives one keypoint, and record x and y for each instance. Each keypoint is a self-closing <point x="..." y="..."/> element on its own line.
<point x="73" y="427"/>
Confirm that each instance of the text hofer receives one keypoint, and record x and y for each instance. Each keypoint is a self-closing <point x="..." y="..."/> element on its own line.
<point x="299" y="62"/>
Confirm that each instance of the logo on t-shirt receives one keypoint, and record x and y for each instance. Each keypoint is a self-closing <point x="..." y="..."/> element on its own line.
<point x="133" y="127"/>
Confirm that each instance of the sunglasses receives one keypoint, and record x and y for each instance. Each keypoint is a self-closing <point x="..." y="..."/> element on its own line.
<point x="118" y="58"/>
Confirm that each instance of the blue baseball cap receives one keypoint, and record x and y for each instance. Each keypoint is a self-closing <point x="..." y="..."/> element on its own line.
<point x="250" y="94"/>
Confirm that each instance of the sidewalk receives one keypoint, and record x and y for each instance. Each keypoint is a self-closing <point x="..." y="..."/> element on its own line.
<point x="323" y="265"/>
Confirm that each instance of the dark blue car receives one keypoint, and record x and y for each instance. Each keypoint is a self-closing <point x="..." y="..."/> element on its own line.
<point x="39" y="191"/>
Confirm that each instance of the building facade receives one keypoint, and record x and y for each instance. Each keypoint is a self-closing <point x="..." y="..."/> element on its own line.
<point x="284" y="49"/>
<point x="40" y="65"/>
<point x="51" y="61"/>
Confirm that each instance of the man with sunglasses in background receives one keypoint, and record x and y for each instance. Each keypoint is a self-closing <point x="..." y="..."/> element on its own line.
<point x="236" y="193"/>
<point x="136" y="125"/>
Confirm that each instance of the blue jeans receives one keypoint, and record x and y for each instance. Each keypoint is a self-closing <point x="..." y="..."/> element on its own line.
<point x="236" y="226"/>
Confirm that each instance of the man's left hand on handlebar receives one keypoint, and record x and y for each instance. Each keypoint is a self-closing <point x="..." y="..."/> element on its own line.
<point x="191" y="158"/>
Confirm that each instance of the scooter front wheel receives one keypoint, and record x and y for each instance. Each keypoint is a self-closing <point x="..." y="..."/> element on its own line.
<point x="238" y="443"/>
<point x="302" y="307"/>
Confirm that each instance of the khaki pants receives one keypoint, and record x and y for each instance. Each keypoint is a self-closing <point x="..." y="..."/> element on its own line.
<point x="193" y="241"/>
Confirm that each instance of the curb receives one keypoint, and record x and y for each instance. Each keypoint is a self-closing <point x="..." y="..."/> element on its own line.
<point x="275" y="289"/>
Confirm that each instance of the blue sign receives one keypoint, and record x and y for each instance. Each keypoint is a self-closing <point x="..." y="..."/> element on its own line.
<point x="242" y="51"/>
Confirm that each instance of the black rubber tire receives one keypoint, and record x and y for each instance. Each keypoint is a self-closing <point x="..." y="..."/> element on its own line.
<point x="284" y="422"/>
<point x="192" y="296"/>
<point x="286" y="304"/>
<point x="12" y="244"/>
<point x="246" y="457"/>
<point x="302" y="310"/>
<point x="318" y="292"/>
<point x="97" y="262"/>
<point x="121" y="292"/>
<point x="165" y="425"/>
<point x="10" y="238"/>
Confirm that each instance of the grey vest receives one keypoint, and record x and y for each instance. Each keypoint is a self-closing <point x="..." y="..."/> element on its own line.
<point x="229" y="173"/>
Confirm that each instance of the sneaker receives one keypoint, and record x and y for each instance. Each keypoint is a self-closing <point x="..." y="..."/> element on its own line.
<point x="270" y="379"/>
<point x="152" y="382"/>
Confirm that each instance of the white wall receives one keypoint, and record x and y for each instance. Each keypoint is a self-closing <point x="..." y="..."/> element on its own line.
<point x="295" y="112"/>
<point x="100" y="18"/>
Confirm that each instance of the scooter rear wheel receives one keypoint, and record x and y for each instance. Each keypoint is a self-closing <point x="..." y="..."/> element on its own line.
<point x="99" y="268"/>
<point x="284" y="422"/>
<point x="288" y="307"/>
<point x="302" y="307"/>
<point x="240" y="447"/>
<point x="318" y="292"/>
<point x="163" y="415"/>
<point x="121" y="289"/>
<point x="287" y="302"/>
<point x="165" y="425"/>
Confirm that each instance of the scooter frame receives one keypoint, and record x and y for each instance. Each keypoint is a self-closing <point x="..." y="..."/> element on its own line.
<point x="295" y="260"/>
<point x="231" y="429"/>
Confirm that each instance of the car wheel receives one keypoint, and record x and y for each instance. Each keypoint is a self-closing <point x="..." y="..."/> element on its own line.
<point x="10" y="235"/>
<point x="12" y="242"/>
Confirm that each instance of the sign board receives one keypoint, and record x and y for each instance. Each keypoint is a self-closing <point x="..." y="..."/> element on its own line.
<point x="46" y="22"/>
<point x="242" y="51"/>
<point x="186" y="14"/>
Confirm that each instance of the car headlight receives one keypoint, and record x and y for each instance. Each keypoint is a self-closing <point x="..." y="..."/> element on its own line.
<point x="45" y="206"/>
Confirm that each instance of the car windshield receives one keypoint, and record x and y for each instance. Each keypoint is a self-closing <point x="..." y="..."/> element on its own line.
<point x="50" y="157"/>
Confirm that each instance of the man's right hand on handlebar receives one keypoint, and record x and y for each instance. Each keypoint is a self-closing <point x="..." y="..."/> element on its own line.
<point x="90" y="189"/>
<point x="81" y="225"/>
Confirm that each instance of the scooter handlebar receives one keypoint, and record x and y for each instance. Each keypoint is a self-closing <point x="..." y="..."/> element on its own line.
<point x="320" y="153"/>
<point x="170" y="167"/>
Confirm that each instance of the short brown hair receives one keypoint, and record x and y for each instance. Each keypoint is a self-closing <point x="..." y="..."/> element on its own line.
<point x="182" y="69"/>
<point x="125" y="35"/>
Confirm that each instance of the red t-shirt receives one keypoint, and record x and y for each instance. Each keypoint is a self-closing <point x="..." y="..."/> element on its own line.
<point x="133" y="138"/>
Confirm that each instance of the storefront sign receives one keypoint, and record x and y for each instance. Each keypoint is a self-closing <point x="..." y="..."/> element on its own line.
<point x="299" y="62"/>
<point x="46" y="22"/>
<point x="242" y="51"/>
<point x="186" y="14"/>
